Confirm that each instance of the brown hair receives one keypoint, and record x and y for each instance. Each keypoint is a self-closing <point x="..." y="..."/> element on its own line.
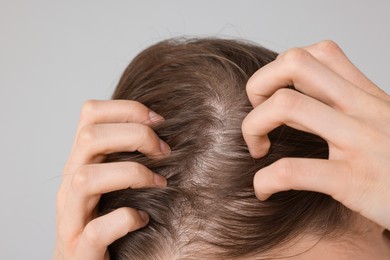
<point x="209" y="209"/>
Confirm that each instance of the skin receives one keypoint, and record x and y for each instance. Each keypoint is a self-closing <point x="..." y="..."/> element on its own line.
<point x="336" y="101"/>
<point x="364" y="240"/>
<point x="105" y="127"/>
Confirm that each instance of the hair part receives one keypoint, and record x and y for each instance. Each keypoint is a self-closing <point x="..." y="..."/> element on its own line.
<point x="209" y="208"/>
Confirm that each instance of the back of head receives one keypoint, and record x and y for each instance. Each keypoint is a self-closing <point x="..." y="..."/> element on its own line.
<point x="209" y="209"/>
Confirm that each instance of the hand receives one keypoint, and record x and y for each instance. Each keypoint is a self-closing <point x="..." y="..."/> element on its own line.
<point x="105" y="127"/>
<point x="337" y="102"/>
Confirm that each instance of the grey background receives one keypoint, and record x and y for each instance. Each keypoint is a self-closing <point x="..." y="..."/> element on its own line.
<point x="56" y="54"/>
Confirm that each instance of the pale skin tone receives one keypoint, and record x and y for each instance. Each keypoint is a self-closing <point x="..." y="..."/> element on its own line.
<point x="336" y="101"/>
<point x="105" y="127"/>
<point x="340" y="104"/>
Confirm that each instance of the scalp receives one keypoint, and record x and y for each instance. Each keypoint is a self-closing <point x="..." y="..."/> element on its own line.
<point x="209" y="208"/>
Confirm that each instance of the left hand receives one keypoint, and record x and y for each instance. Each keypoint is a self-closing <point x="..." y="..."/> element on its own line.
<point x="337" y="102"/>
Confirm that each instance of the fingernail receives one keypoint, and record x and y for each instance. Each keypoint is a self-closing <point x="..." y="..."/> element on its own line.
<point x="154" y="117"/>
<point x="263" y="197"/>
<point x="164" y="147"/>
<point x="144" y="216"/>
<point x="159" y="180"/>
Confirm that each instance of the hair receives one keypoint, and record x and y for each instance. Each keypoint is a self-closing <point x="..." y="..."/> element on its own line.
<point x="209" y="208"/>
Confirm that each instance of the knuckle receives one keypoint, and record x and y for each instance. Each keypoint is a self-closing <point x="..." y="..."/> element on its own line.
<point x="92" y="234"/>
<point x="245" y="126"/>
<point x="286" y="99"/>
<point x="248" y="127"/>
<point x="145" y="133"/>
<point x="142" y="176"/>
<point x="87" y="135"/>
<point x="284" y="170"/>
<point x="250" y="85"/>
<point x="135" y="105"/>
<point x="89" y="109"/>
<point x="136" y="170"/>
<point x="258" y="183"/>
<point x="294" y="57"/>
<point x="81" y="178"/>
<point x="329" y="48"/>
<point x="129" y="217"/>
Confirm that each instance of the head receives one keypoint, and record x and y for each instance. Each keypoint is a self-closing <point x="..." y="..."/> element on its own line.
<point x="209" y="209"/>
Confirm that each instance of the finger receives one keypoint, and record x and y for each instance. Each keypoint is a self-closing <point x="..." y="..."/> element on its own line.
<point x="116" y="111"/>
<point x="96" y="179"/>
<point x="331" y="177"/>
<point x="95" y="141"/>
<point x="300" y="112"/>
<point x="104" y="230"/>
<point x="325" y="176"/>
<point x="90" y="181"/>
<point x="330" y="54"/>
<point x="299" y="68"/>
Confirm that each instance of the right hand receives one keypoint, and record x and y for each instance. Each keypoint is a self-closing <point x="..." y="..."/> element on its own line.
<point x="105" y="127"/>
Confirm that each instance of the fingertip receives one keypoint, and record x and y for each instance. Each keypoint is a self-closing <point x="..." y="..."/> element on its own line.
<point x="256" y="100"/>
<point x="144" y="217"/>
<point x="253" y="98"/>
<point x="254" y="89"/>
<point x="257" y="153"/>
<point x="155" y="118"/>
<point x="164" y="147"/>
<point x="262" y="196"/>
<point x="160" y="151"/>
<point x="260" y="185"/>
<point x="256" y="139"/>
<point x="260" y="148"/>
<point x="159" y="180"/>
<point x="259" y="192"/>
